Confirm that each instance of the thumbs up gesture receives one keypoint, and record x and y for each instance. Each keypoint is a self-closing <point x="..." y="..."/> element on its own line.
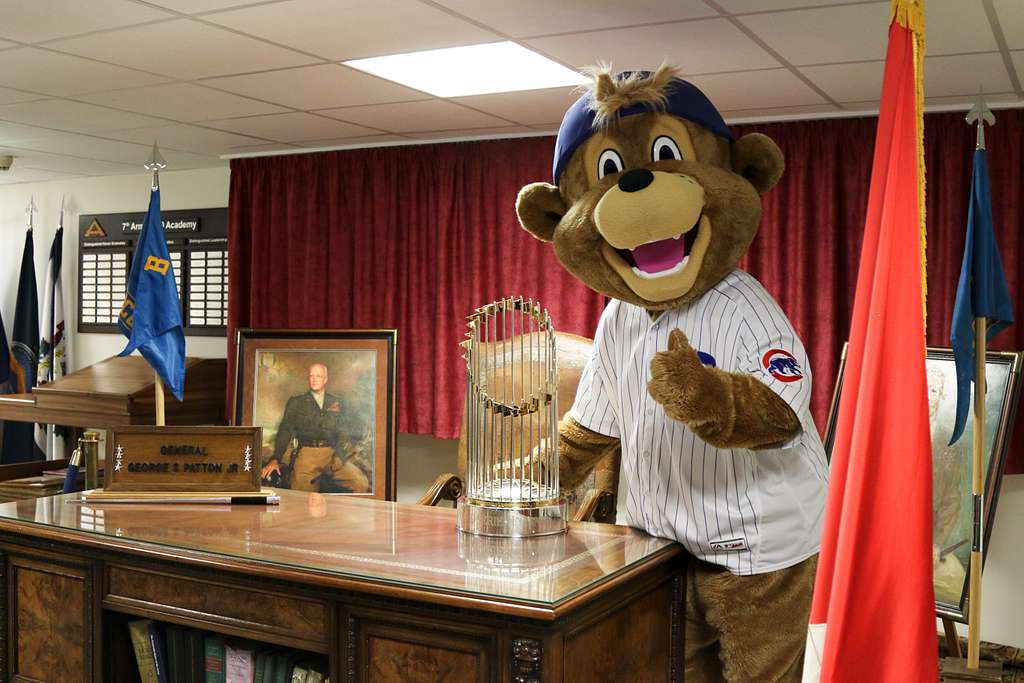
<point x="688" y="390"/>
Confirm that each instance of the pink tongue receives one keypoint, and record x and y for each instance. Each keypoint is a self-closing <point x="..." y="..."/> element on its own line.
<point x="655" y="257"/>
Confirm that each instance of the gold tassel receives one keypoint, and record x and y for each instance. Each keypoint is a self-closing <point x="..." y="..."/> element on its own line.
<point x="910" y="15"/>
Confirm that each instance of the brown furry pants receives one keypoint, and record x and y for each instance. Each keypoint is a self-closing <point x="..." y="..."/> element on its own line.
<point x="747" y="629"/>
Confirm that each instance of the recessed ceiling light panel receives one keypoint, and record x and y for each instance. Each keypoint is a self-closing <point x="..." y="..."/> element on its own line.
<point x="471" y="70"/>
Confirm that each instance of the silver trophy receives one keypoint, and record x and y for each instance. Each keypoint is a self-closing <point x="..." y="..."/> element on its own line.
<point x="511" y="423"/>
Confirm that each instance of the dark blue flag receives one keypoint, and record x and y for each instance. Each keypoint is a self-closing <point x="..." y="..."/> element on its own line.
<point x="19" y="437"/>
<point x="981" y="292"/>
<point x="7" y="378"/>
<point x="8" y="384"/>
<point x="151" y="314"/>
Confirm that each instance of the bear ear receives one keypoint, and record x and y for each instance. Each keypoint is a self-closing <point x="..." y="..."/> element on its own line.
<point x="540" y="208"/>
<point x="757" y="158"/>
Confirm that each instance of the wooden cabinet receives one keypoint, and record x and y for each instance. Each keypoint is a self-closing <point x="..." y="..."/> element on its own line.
<point x="398" y="596"/>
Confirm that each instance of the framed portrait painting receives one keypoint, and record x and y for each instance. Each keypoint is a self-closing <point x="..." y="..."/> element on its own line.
<point x="326" y="402"/>
<point x="952" y="501"/>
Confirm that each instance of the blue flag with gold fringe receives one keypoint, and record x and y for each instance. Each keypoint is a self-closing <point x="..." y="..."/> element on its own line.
<point x="981" y="291"/>
<point x="151" y="314"/>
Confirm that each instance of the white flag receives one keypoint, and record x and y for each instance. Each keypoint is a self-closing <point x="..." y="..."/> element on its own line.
<point x="53" y="343"/>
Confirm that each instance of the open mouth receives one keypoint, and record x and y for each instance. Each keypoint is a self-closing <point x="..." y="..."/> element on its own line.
<point x="661" y="257"/>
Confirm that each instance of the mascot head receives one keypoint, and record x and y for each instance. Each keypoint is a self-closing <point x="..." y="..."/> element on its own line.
<point x="654" y="201"/>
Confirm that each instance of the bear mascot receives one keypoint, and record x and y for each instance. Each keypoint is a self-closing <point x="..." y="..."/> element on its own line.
<point x="696" y="372"/>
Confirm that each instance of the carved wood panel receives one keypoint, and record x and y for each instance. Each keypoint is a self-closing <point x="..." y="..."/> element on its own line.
<point x="50" y="621"/>
<point x="399" y="648"/>
<point x="286" y="618"/>
<point x="630" y="645"/>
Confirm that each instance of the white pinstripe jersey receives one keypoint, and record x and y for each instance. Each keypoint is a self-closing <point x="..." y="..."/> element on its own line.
<point x="749" y="511"/>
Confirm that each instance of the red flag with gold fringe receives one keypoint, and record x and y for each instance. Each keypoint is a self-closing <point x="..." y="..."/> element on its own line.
<point x="873" y="616"/>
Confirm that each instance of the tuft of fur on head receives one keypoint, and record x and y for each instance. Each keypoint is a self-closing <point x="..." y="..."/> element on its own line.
<point x="608" y="95"/>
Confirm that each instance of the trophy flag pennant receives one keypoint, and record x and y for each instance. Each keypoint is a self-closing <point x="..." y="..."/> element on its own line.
<point x="52" y="362"/>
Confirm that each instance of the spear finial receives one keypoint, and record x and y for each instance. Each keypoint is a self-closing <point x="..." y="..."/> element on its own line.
<point x="979" y="115"/>
<point x="155" y="163"/>
<point x="31" y="210"/>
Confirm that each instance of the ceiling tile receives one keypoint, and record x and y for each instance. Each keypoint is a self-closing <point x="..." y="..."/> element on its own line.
<point x="742" y="115"/>
<point x="179" y="161"/>
<point x="967" y="101"/>
<point x="69" y="164"/>
<point x="36" y="20"/>
<point x="528" y="107"/>
<point x="542" y="17"/>
<point x="292" y="127"/>
<point x="849" y="33"/>
<point x="706" y="46"/>
<point x="88" y="147"/>
<point x="73" y="116"/>
<point x="11" y="133"/>
<point x="186" y="138"/>
<point x="848" y="82"/>
<point x="1018" y="63"/>
<point x="757" y="90"/>
<point x="1011" y="18"/>
<point x="63" y="75"/>
<point x="489" y="132"/>
<point x="964" y="74"/>
<point x="182" y="102"/>
<point x="361" y="141"/>
<point x="23" y="174"/>
<point x="943" y="76"/>
<point x="956" y="27"/>
<point x="196" y="6"/>
<point x="316" y="87"/>
<point x="357" y="28"/>
<point x="9" y="96"/>
<point x="746" y="6"/>
<point x="262" y="147"/>
<point x="182" y="48"/>
<point x="408" y="117"/>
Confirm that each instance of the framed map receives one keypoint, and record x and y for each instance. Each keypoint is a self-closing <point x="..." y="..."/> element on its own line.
<point x="952" y="516"/>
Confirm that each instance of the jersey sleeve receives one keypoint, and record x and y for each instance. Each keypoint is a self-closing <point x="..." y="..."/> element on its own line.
<point x="594" y="406"/>
<point x="771" y="351"/>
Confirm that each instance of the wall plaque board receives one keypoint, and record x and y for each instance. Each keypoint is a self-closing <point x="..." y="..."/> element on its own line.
<point x="197" y="240"/>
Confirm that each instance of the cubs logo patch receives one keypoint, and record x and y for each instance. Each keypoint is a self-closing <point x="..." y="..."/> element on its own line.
<point x="781" y="365"/>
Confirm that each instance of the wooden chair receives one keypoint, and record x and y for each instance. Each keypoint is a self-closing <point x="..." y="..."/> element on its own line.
<point x="594" y="499"/>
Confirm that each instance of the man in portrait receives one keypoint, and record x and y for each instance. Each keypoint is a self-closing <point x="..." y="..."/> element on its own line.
<point x="320" y="442"/>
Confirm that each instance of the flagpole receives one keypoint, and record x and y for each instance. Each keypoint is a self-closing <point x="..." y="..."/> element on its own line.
<point x="155" y="163"/>
<point x="979" y="115"/>
<point x="977" y="485"/>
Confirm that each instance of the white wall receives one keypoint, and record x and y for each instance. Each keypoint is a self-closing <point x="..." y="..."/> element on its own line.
<point x="205" y="188"/>
<point x="421" y="458"/>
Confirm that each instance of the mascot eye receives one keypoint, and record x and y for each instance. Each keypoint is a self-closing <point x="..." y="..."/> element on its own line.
<point x="665" y="149"/>
<point x="608" y="163"/>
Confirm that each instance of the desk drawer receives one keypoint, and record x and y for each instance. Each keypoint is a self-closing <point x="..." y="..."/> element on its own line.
<point x="249" y="612"/>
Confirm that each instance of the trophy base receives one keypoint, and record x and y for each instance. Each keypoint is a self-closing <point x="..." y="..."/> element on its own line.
<point x="512" y="522"/>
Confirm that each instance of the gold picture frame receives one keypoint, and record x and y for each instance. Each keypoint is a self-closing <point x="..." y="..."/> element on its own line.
<point x="339" y="438"/>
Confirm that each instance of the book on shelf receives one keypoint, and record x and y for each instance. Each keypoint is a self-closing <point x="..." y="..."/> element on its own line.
<point x="169" y="653"/>
<point x="139" y="632"/>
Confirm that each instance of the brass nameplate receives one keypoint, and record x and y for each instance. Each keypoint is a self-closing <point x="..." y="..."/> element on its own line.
<point x="183" y="459"/>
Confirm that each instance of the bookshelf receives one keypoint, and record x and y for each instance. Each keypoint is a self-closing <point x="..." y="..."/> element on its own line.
<point x="377" y="590"/>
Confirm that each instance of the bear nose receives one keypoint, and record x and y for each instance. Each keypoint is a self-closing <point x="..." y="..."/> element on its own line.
<point x="635" y="180"/>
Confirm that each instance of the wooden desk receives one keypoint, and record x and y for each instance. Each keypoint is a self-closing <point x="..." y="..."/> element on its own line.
<point x="388" y="592"/>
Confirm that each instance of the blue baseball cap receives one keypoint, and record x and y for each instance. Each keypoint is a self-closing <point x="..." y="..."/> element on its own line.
<point x="684" y="99"/>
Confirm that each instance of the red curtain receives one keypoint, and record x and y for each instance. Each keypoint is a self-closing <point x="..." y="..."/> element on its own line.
<point x="409" y="237"/>
<point x="808" y="248"/>
<point x="414" y="237"/>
